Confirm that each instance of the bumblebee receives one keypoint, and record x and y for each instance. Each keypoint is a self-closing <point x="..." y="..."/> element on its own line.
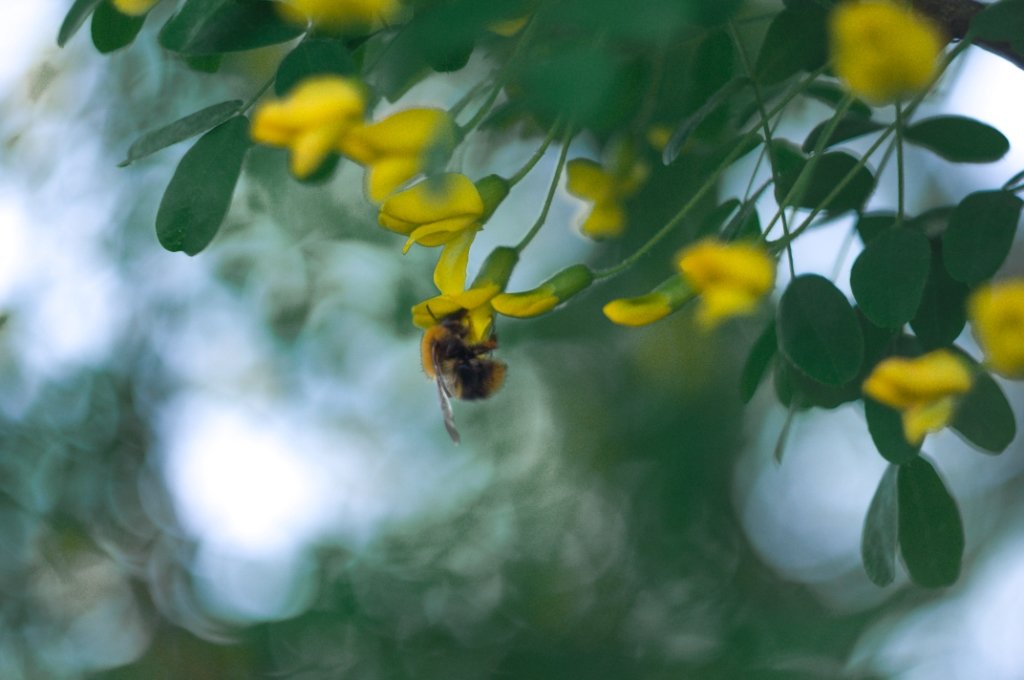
<point x="461" y="369"/>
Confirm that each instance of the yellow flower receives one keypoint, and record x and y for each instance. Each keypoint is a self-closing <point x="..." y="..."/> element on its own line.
<point x="339" y="14"/>
<point x="645" y="309"/>
<point x="922" y="389"/>
<point x="883" y="51"/>
<point x="134" y="8"/>
<point x="434" y="211"/>
<point x="996" y="311"/>
<point x="311" y="121"/>
<point x="450" y="279"/>
<point x="607" y="190"/>
<point x="731" y="278"/>
<point x="395" y="149"/>
<point x="546" y="296"/>
<point x="508" y="27"/>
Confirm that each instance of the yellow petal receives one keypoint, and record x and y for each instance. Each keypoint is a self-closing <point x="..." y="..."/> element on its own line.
<point x="444" y="197"/>
<point x="904" y="383"/>
<point x="406" y="133"/>
<point x="719" y="304"/>
<point x="526" y="304"/>
<point x="427" y="313"/>
<point x="606" y="220"/>
<point x="339" y="14"/>
<point x="924" y="418"/>
<point x="508" y="27"/>
<point x="386" y="175"/>
<point x="710" y="264"/>
<point x="324" y="100"/>
<point x="450" y="272"/>
<point x="996" y="312"/>
<point x="310" y="148"/>
<point x="134" y="8"/>
<point x="479" y="322"/>
<point x="639" y="311"/>
<point x="441" y="232"/>
<point x="587" y="179"/>
<point x="271" y="125"/>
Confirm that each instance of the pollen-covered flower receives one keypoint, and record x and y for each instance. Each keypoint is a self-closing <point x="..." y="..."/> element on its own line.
<point x="546" y="296"/>
<point x="882" y="50"/>
<point x="311" y="121"/>
<point x="339" y="14"/>
<point x="434" y="211"/>
<point x="134" y="8"/>
<point x="731" y="278"/>
<point x="924" y="389"/>
<point x="395" y="149"/>
<point x="645" y="309"/>
<point x="607" y="189"/>
<point x="996" y="311"/>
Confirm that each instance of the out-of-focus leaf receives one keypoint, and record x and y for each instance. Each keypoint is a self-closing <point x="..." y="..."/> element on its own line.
<point x="187" y="22"/>
<point x="226" y="27"/>
<point x="181" y="129"/>
<point x="73" y="20"/>
<point x="312" y="58"/>
<point x="999" y="22"/>
<point x="984" y="416"/>
<point x="889" y="276"/>
<point x="756" y="366"/>
<point x="959" y="139"/>
<point x="111" y="30"/>
<point x="872" y="225"/>
<point x="683" y="133"/>
<point x="979" y="235"/>
<point x="849" y="127"/>
<point x="830" y="170"/>
<point x="796" y="40"/>
<point x="879" y="537"/>
<point x="943" y="310"/>
<point x="886" y="428"/>
<point x="931" y="534"/>
<point x="199" y="194"/>
<point x="818" y="331"/>
<point x="833" y="96"/>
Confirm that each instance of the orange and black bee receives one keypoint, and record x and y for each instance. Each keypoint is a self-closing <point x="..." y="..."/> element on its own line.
<point x="461" y="369"/>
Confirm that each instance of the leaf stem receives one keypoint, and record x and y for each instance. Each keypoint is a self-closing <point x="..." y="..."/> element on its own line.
<point x="900" y="178"/>
<point x="535" y="229"/>
<point x="537" y="155"/>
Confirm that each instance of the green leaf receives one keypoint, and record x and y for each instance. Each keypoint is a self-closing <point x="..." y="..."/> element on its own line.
<point x="979" y="235"/>
<point x="833" y="96"/>
<point x="984" y="417"/>
<point x="181" y="129"/>
<point x="886" y="429"/>
<point x="830" y="170"/>
<point x="310" y="58"/>
<point x="942" y="313"/>
<point x="682" y="134"/>
<point x="959" y="139"/>
<point x="931" y="534"/>
<point x="204" y="27"/>
<point x="73" y="20"/>
<point x="111" y="30"/>
<point x="808" y="392"/>
<point x="199" y="194"/>
<point x="818" y="331"/>
<point x="999" y="22"/>
<point x="849" y="127"/>
<point x="756" y="366"/>
<point x="208" y="63"/>
<point x="781" y="55"/>
<point x="873" y="225"/>
<point x="889" y="276"/>
<point x="879" y="537"/>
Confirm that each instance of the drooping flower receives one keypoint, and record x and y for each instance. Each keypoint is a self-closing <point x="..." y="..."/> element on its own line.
<point x="996" y="311"/>
<point x="546" y="296"/>
<point x="339" y="14"/>
<point x="607" y="189"/>
<point x="923" y="389"/>
<point x="134" y="8"/>
<point x="730" y="278"/>
<point x="434" y="211"/>
<point x="395" y="149"/>
<point x="311" y="121"/>
<point x="883" y="51"/>
<point x="656" y="305"/>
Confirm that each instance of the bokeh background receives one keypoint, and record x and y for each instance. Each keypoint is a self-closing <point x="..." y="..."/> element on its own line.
<point x="232" y="466"/>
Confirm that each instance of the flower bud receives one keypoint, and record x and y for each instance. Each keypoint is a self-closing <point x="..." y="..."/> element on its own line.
<point x="645" y="309"/>
<point x="546" y="296"/>
<point x="493" y="190"/>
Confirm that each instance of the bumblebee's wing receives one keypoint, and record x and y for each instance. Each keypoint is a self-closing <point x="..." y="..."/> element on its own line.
<point x="444" y="395"/>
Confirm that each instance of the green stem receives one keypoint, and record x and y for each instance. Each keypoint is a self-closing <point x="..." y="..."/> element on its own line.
<point x="259" y="93"/>
<point x="471" y="93"/>
<point x="551" y="194"/>
<point x="499" y="79"/>
<point x="900" y="179"/>
<point x="537" y="155"/>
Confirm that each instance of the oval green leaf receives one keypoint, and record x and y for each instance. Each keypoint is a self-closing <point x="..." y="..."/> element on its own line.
<point x="111" y="30"/>
<point x="181" y="129"/>
<point x="849" y="127"/>
<point x="830" y="171"/>
<point x="685" y="130"/>
<point x="186" y="23"/>
<point x="872" y="225"/>
<point x="931" y="534"/>
<point x="781" y="56"/>
<point x="214" y="27"/>
<point x="311" y="58"/>
<point x="886" y="428"/>
<point x="999" y="21"/>
<point x="199" y="194"/>
<point x="942" y="313"/>
<point x="73" y="20"/>
<point x="818" y="331"/>
<point x="878" y="539"/>
<point x="979" y="235"/>
<point x="959" y="139"/>
<point x="984" y="417"/>
<point x="889" y="276"/>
